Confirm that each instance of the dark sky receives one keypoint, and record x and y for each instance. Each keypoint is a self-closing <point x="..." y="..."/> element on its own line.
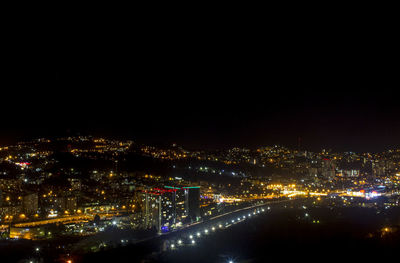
<point x="207" y="86"/>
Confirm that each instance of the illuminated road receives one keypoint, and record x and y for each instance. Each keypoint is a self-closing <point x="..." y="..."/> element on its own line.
<point x="250" y="207"/>
<point x="64" y="220"/>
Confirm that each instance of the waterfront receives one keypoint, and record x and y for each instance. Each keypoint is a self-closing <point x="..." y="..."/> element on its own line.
<point x="282" y="235"/>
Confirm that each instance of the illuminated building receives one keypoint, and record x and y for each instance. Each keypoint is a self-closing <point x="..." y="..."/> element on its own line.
<point x="150" y="202"/>
<point x="348" y="173"/>
<point x="30" y="203"/>
<point x="66" y="203"/>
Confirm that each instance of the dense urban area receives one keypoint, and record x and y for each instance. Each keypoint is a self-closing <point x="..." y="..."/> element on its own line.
<point x="67" y="199"/>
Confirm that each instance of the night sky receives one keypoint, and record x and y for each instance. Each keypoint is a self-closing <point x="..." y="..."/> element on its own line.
<point x="208" y="89"/>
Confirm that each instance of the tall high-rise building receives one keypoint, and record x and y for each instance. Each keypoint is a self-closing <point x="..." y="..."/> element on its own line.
<point x="151" y="209"/>
<point x="192" y="200"/>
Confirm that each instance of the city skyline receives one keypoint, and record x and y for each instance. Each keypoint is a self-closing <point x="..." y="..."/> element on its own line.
<point x="111" y="198"/>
